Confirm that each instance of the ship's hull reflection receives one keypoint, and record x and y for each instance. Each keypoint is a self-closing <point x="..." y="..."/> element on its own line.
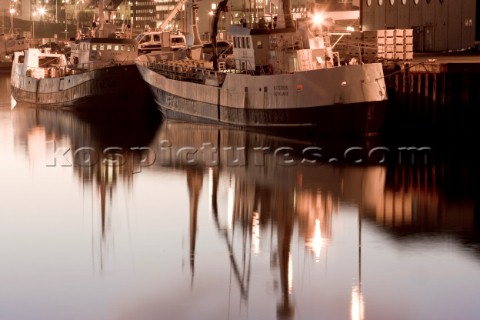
<point x="268" y="186"/>
<point x="226" y="223"/>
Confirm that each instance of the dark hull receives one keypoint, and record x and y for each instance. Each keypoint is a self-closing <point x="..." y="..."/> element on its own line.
<point x="5" y="67"/>
<point x="103" y="88"/>
<point x="360" y="119"/>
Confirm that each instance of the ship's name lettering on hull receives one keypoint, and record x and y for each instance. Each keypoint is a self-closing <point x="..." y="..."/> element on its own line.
<point x="280" y="91"/>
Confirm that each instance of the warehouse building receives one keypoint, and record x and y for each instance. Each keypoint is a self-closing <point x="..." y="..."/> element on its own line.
<point x="438" y="25"/>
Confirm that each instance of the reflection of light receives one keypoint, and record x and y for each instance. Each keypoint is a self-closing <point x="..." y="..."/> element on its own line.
<point x="256" y="233"/>
<point x="231" y="198"/>
<point x="318" y="241"/>
<point x="110" y="168"/>
<point x="350" y="28"/>
<point x="290" y="274"/>
<point x="13" y="102"/>
<point x="357" y="308"/>
<point x="210" y="189"/>
<point x="36" y="144"/>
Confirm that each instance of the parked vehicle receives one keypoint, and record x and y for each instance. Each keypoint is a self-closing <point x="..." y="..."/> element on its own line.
<point x="156" y="40"/>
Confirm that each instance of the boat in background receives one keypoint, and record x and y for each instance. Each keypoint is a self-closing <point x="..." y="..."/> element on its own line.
<point x="282" y="76"/>
<point x="9" y="43"/>
<point x="99" y="72"/>
<point x="98" y="68"/>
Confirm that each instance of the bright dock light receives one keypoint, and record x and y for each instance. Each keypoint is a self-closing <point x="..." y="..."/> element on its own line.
<point x="318" y="18"/>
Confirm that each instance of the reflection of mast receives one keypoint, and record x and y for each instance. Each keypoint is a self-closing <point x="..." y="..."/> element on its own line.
<point x="224" y="233"/>
<point x="103" y="194"/>
<point x="284" y="237"/>
<point x="358" y="305"/>
<point x="194" y="182"/>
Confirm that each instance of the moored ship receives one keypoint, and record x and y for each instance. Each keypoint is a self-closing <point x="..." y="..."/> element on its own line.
<point x="98" y="69"/>
<point x="285" y="76"/>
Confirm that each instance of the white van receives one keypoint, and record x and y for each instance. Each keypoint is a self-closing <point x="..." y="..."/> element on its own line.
<point x="156" y="40"/>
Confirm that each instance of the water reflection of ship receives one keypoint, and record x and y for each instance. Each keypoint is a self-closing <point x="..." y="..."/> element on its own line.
<point x="50" y="130"/>
<point x="262" y="194"/>
<point x="401" y="199"/>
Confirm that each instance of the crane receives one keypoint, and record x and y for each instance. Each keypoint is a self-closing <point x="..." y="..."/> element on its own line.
<point x="172" y="14"/>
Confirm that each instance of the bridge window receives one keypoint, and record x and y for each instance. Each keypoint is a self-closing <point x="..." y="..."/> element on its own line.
<point x="94" y="47"/>
<point x="369" y="3"/>
<point x="102" y="46"/>
<point x="380" y="2"/>
<point x="109" y="47"/>
<point x="248" y="43"/>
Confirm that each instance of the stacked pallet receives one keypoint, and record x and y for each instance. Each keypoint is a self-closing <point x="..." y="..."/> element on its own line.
<point x="349" y="45"/>
<point x="403" y="44"/>
<point x="374" y="45"/>
<point x="353" y="40"/>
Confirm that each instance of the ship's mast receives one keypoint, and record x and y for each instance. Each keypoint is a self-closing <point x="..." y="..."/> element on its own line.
<point x="101" y="17"/>
<point x="287" y="13"/>
<point x="221" y="7"/>
<point x="192" y="33"/>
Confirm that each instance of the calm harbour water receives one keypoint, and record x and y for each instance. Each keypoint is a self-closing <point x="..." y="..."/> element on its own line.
<point x="160" y="226"/>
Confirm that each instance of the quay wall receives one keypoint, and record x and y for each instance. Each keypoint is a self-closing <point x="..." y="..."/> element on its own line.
<point x="433" y="96"/>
